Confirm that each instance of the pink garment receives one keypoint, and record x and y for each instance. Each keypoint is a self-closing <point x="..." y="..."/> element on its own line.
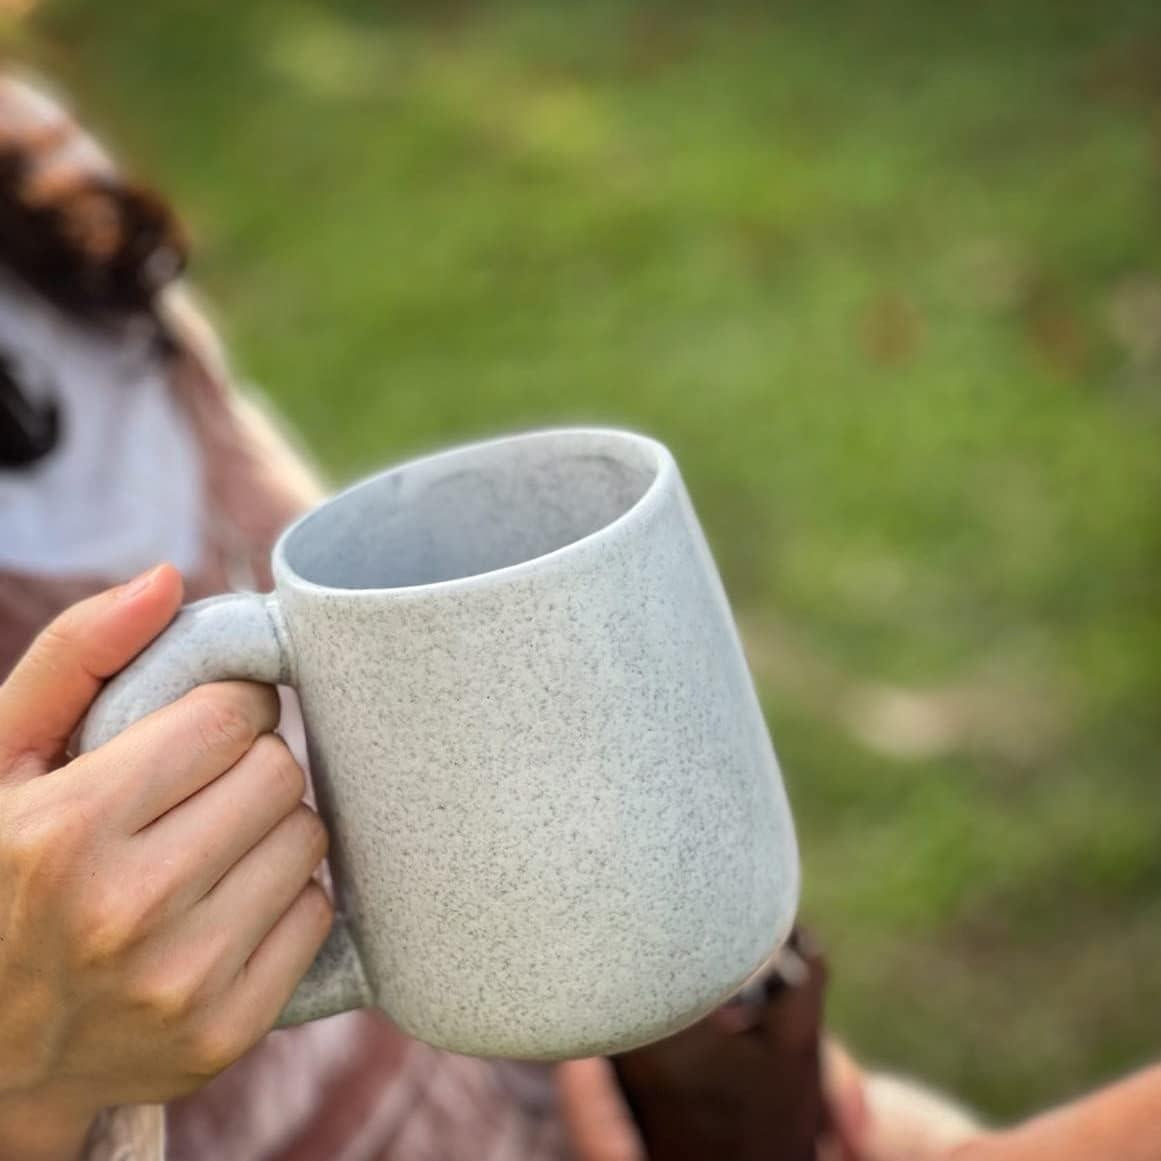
<point x="351" y="1088"/>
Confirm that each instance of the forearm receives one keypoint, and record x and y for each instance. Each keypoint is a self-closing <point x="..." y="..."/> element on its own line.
<point x="1121" y="1121"/>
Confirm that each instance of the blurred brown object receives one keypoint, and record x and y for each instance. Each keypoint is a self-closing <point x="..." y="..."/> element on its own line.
<point x="745" y="1083"/>
<point x="96" y="245"/>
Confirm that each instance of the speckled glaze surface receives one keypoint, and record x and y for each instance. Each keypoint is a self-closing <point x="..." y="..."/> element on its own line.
<point x="558" y="824"/>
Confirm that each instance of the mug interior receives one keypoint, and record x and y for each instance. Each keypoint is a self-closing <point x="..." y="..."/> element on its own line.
<point x="473" y="510"/>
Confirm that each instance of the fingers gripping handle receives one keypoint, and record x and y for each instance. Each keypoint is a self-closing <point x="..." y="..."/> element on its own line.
<point x="236" y="637"/>
<point x="224" y="638"/>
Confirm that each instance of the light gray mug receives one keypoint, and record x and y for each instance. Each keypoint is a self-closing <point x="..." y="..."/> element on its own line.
<point x="558" y="826"/>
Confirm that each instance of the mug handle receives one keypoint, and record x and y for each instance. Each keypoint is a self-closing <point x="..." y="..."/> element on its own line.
<point x="241" y="636"/>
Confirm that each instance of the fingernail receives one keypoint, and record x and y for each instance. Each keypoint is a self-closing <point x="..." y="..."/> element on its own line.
<point x="139" y="584"/>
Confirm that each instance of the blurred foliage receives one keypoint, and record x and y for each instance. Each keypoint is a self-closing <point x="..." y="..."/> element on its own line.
<point x="887" y="276"/>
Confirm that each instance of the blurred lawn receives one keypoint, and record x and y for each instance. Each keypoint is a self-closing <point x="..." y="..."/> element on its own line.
<point x="888" y="279"/>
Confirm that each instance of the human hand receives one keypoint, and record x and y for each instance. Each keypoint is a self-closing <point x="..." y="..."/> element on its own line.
<point x="156" y="902"/>
<point x="601" y="1127"/>
<point x="879" y="1117"/>
<point x="599" y="1124"/>
<point x="742" y="1084"/>
<point x="896" y="1125"/>
<point x="869" y="1117"/>
<point x="886" y="1118"/>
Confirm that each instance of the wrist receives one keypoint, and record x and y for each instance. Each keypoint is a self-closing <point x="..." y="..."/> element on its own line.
<point x="42" y="1127"/>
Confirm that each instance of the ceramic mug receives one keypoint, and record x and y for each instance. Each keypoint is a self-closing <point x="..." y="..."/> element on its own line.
<point x="558" y="825"/>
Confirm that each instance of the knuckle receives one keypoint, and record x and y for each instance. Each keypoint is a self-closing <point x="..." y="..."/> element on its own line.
<point x="168" y="997"/>
<point x="219" y="720"/>
<point x="314" y="834"/>
<point x="317" y="905"/>
<point x="288" y="782"/>
<point x="108" y="924"/>
<point x="312" y="914"/>
<point x="216" y="1045"/>
<point x="60" y="638"/>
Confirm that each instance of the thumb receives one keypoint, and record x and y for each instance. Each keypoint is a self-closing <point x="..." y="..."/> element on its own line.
<point x="599" y="1123"/>
<point x="844" y="1090"/>
<point x="55" y="682"/>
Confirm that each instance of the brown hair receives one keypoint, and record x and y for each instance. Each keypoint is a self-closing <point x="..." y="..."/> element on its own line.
<point x="95" y="245"/>
<point x="72" y="230"/>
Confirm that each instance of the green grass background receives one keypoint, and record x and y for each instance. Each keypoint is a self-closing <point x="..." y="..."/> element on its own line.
<point x="887" y="277"/>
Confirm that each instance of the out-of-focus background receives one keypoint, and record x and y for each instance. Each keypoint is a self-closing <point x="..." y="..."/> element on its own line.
<point x="887" y="277"/>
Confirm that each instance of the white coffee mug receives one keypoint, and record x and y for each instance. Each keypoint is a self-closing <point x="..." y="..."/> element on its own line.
<point x="558" y="826"/>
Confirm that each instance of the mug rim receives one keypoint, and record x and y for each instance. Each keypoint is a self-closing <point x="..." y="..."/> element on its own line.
<point x="665" y="471"/>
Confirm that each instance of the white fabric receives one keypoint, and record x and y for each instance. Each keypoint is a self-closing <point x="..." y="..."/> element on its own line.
<point x="131" y="1133"/>
<point x="122" y="489"/>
